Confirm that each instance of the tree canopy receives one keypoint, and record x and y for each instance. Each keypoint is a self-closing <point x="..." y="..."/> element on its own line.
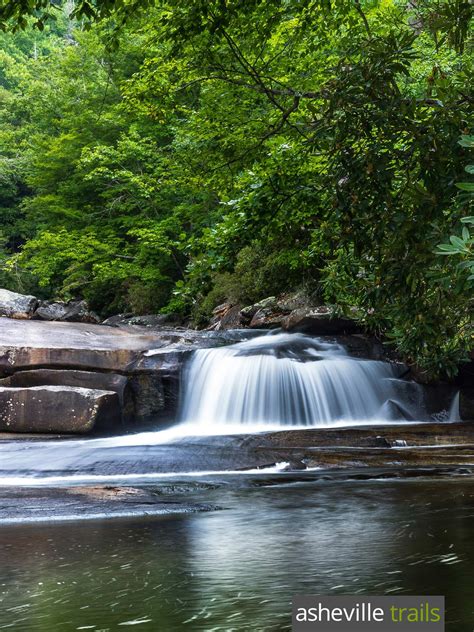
<point x="231" y="150"/>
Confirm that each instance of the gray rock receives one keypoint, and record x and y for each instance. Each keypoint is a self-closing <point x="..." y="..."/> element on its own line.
<point x="140" y="365"/>
<point x="266" y="319"/>
<point x="36" y="344"/>
<point x="153" y="321"/>
<point x="295" y="300"/>
<point x="265" y="314"/>
<point x="15" y="305"/>
<point x="267" y="304"/>
<point x="149" y="395"/>
<point x="319" y="321"/>
<point x="117" y="320"/>
<point x="79" y="312"/>
<point x="57" y="409"/>
<point x="73" y="311"/>
<point x="49" y="310"/>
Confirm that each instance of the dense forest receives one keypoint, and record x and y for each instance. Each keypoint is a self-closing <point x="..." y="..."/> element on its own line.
<point x="165" y="156"/>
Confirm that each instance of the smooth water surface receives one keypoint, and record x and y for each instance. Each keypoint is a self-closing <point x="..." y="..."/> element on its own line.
<point x="237" y="569"/>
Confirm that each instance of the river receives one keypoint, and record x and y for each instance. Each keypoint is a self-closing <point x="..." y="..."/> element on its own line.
<point x="237" y="568"/>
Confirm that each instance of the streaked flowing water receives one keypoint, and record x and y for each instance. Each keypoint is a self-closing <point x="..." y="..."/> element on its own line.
<point x="291" y="380"/>
<point x="239" y="568"/>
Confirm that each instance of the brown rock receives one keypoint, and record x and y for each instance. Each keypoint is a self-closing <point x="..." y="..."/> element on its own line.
<point x="57" y="409"/>
<point x="83" y="379"/>
<point x="36" y="344"/>
<point x="225" y="316"/>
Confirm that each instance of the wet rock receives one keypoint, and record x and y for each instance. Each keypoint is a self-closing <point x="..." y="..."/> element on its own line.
<point x="87" y="502"/>
<point x="15" y="305"/>
<point x="148" y="394"/>
<point x="118" y="320"/>
<point x="57" y="409"/>
<point x="466" y="404"/>
<point x="440" y="433"/>
<point x="364" y="346"/>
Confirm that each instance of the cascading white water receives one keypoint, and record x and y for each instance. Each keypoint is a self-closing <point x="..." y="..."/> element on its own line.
<point x="289" y="379"/>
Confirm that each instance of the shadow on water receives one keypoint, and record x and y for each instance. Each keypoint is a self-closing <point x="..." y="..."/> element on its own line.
<point x="237" y="569"/>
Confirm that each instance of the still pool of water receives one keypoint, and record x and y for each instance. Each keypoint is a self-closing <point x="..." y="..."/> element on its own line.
<point x="237" y="568"/>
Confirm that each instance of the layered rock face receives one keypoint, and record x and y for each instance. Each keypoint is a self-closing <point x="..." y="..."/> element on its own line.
<point x="74" y="377"/>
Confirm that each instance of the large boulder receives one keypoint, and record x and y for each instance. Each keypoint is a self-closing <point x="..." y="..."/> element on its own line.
<point x="94" y="380"/>
<point x="266" y="314"/>
<point x="36" y="344"/>
<point x="319" y="321"/>
<point x="15" y="305"/>
<point x="57" y="409"/>
<point x="297" y="312"/>
<point x="226" y="316"/>
<point x="73" y="311"/>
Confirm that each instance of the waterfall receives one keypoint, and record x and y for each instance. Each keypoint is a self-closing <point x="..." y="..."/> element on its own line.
<point x="290" y="380"/>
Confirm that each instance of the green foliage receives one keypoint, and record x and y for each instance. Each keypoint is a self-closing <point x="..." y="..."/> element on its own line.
<point x="14" y="14"/>
<point x="229" y="151"/>
<point x="462" y="246"/>
<point x="256" y="274"/>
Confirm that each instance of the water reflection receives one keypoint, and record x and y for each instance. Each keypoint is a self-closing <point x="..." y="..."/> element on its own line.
<point x="237" y="569"/>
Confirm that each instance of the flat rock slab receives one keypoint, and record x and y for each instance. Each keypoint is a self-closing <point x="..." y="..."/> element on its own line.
<point x="56" y="409"/>
<point x="37" y="344"/>
<point x="30" y="344"/>
<point x="23" y="504"/>
<point x="394" y="435"/>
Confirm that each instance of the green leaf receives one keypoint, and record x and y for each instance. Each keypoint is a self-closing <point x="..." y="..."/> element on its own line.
<point x="457" y="242"/>
<point x="467" y="141"/>
<point x="466" y="186"/>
